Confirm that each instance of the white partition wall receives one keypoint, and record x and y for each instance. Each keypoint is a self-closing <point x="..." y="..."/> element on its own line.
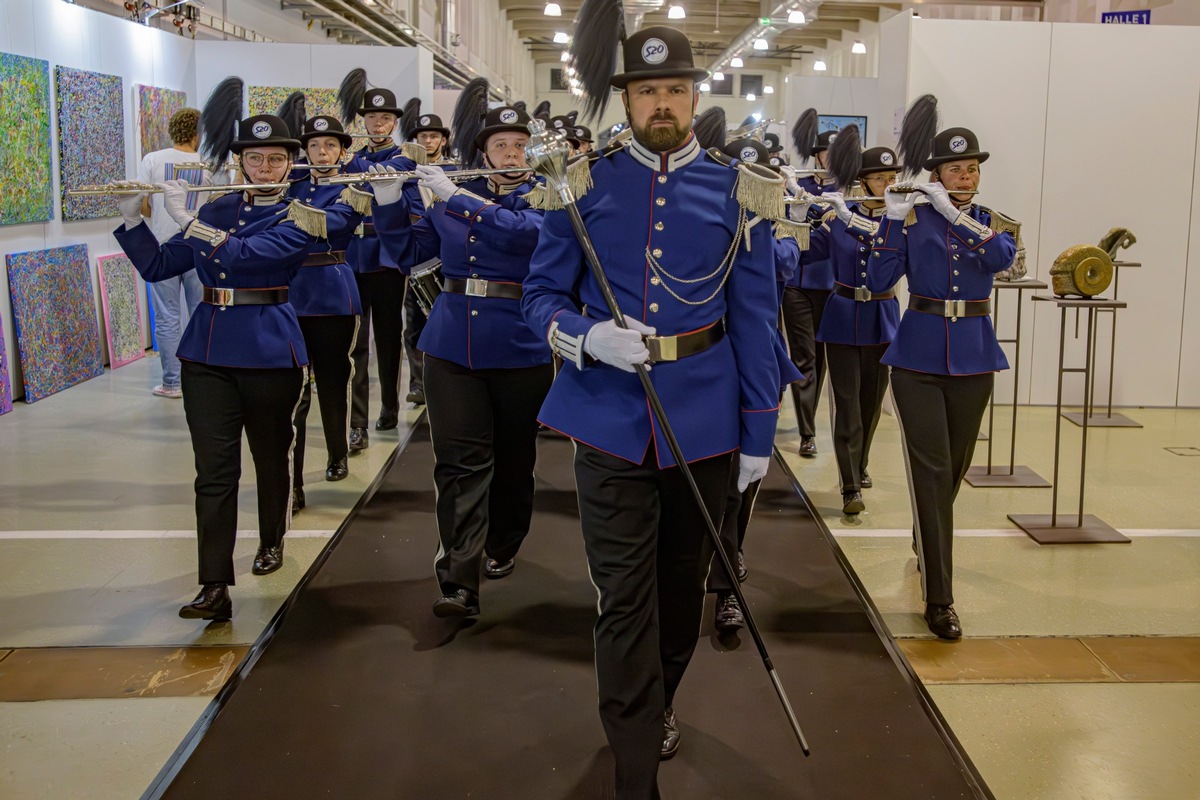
<point x="1189" y="340"/>
<point x="849" y="96"/>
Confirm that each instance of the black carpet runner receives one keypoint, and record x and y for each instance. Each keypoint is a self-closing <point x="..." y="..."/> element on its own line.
<point x="357" y="691"/>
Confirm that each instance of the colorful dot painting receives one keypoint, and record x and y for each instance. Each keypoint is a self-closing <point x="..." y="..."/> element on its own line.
<point x="54" y="315"/>
<point x="91" y="138"/>
<point x="5" y="380"/>
<point x="268" y="99"/>
<point x="25" y="184"/>
<point x="156" y="106"/>
<point x="120" y="299"/>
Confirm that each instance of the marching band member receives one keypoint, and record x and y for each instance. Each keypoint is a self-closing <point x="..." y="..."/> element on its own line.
<point x="582" y="139"/>
<point x="486" y="372"/>
<point x="944" y="354"/>
<point x="694" y="273"/>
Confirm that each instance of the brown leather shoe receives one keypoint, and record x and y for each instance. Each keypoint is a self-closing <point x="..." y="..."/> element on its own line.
<point x="212" y="603"/>
<point x="670" y="735"/>
<point x="267" y="560"/>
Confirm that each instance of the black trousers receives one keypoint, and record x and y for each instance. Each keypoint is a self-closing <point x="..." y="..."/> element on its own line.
<point x="330" y="342"/>
<point x="647" y="554"/>
<point x="738" y="508"/>
<point x="802" y="310"/>
<point x="414" y="323"/>
<point x="218" y="403"/>
<point x="859" y="383"/>
<point x="939" y="417"/>
<point x="382" y="295"/>
<point x="484" y="426"/>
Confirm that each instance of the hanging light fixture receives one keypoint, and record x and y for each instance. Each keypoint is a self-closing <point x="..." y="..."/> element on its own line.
<point x="750" y="96"/>
<point x="565" y="57"/>
<point x="768" y="90"/>
<point x="760" y="43"/>
<point x="560" y="37"/>
<point x="858" y="48"/>
<point x="819" y="66"/>
<point x="552" y="10"/>
<point x="736" y="62"/>
<point x="718" y="76"/>
<point x="796" y="17"/>
<point x="704" y="87"/>
<point x="676" y="12"/>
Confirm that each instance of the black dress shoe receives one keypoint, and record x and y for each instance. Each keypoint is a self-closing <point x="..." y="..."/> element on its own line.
<point x="267" y="560"/>
<point x="740" y="567"/>
<point x="337" y="470"/>
<point x="358" y="440"/>
<point x="729" y="613"/>
<point x="865" y="482"/>
<point x="416" y="396"/>
<point x="670" y="735"/>
<point x="943" y="621"/>
<point x="852" y="503"/>
<point x="808" y="446"/>
<point x="297" y="500"/>
<point x="388" y="420"/>
<point x="460" y="603"/>
<point x="212" y="603"/>
<point x="498" y="569"/>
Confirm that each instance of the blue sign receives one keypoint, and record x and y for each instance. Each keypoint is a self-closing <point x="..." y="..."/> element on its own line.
<point x="1126" y="17"/>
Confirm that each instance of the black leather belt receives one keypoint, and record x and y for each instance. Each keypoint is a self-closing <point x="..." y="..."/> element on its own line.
<point x="950" y="308"/>
<point x="477" y="287"/>
<point x="325" y="259"/>
<point x="673" y="348"/>
<point x="245" y="297"/>
<point x="365" y="229"/>
<point x="861" y="293"/>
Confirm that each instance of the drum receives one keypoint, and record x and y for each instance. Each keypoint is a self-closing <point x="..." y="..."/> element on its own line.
<point x="425" y="282"/>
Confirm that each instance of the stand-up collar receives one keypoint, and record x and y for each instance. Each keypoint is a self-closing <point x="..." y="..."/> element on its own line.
<point x="263" y="200"/>
<point x="667" y="161"/>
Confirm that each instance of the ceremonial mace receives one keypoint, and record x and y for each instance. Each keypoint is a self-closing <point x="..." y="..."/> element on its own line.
<point x="547" y="153"/>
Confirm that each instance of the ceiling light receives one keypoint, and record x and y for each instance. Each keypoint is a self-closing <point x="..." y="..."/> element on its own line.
<point x="718" y="76"/>
<point x="796" y="18"/>
<point x="553" y="10"/>
<point x="735" y="62"/>
<point x="565" y="57"/>
<point x="676" y="12"/>
<point x="561" y="38"/>
<point x="859" y="48"/>
<point x="768" y="90"/>
<point x="704" y="87"/>
<point x="750" y="96"/>
<point x="760" y="43"/>
<point x="819" y="66"/>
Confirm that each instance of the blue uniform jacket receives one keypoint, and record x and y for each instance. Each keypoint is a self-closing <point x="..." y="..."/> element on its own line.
<point x="478" y="234"/>
<point x="845" y="320"/>
<point x="328" y="290"/>
<point x="948" y="262"/>
<point x="815" y="270"/>
<point x="239" y="246"/>
<point x="676" y="205"/>
<point x="787" y="257"/>
<point x="363" y="253"/>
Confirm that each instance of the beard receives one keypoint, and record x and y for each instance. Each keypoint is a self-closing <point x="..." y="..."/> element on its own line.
<point x="660" y="140"/>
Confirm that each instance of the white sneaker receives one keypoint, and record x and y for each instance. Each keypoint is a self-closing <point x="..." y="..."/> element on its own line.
<point x="174" y="392"/>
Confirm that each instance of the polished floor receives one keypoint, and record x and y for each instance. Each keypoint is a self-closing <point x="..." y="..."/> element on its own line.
<point x="1078" y="678"/>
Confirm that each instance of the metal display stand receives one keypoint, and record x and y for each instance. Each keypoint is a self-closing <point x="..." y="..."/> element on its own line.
<point x="1108" y="419"/>
<point x="1047" y="528"/>
<point x="1013" y="475"/>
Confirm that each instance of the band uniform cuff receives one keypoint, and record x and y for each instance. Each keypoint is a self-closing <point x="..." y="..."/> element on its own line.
<point x="570" y="348"/>
<point x="206" y="233"/>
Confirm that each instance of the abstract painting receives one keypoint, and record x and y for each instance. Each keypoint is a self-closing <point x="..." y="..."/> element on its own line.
<point x="25" y="184"/>
<point x="268" y="99"/>
<point x="54" y="316"/>
<point x="120" y="299"/>
<point x="156" y="106"/>
<point x="91" y="138"/>
<point x="5" y="381"/>
<point x="835" y="122"/>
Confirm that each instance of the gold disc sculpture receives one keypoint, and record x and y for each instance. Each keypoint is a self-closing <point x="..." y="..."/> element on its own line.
<point x="1084" y="270"/>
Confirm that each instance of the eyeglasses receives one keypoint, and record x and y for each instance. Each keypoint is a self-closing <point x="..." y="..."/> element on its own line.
<point x="256" y="159"/>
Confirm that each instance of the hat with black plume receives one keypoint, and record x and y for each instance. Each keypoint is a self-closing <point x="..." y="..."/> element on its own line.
<point x="409" y="116"/>
<point x="325" y="125"/>
<point x="354" y="98"/>
<point x="293" y="112"/>
<point x="878" y="159"/>
<point x="804" y="134"/>
<point x="542" y="111"/>
<point x="917" y="133"/>
<point x="749" y="151"/>
<point x="222" y="132"/>
<point x="845" y="156"/>
<point x="469" y="113"/>
<point x="955" y="144"/>
<point x="709" y="127"/>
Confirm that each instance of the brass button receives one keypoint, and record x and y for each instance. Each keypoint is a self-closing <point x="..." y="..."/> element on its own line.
<point x="241" y="222"/>
<point x="474" y="274"/>
<point x="233" y="230"/>
<point x="955" y="288"/>
<point x="955" y="257"/>
<point x="658" y="226"/>
<point x="654" y="306"/>
<point x="472" y="258"/>
<point x="656" y="252"/>
<point x="876" y="255"/>
<point x="471" y="239"/>
<point x="654" y="281"/>
<point x="221" y="276"/>
<point x="879" y="240"/>
<point x="982" y="251"/>
<point x="661" y="201"/>
<point x="662" y="178"/>
<point x="864" y="274"/>
<point x="479" y="219"/>
<point x="970" y="241"/>
<point x="474" y="313"/>
<point x="955" y="272"/>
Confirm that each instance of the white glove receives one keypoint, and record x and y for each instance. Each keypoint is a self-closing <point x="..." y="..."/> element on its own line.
<point x="131" y="206"/>
<point x="940" y="200"/>
<point x="789" y="171"/>
<point x="751" y="469"/>
<point x="434" y="179"/>
<point x="899" y="203"/>
<point x="386" y="191"/>
<point x="618" y="347"/>
<point x="838" y="201"/>
<point x="798" y="210"/>
<point x="175" y="197"/>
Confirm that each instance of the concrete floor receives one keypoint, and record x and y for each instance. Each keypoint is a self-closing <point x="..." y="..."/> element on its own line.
<point x="97" y="549"/>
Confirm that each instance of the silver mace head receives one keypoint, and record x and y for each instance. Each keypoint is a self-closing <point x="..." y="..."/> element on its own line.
<point x="546" y="153"/>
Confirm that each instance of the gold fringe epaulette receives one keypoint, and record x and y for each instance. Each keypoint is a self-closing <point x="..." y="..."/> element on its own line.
<point x="1003" y="224"/>
<point x="579" y="178"/>
<point x="308" y="219"/>
<point x="911" y="219"/>
<point x="357" y="199"/>
<point x="788" y="229"/>
<point x="761" y="191"/>
<point x="414" y="152"/>
<point x="829" y="215"/>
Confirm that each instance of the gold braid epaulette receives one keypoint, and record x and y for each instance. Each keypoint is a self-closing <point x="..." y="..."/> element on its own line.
<point x="414" y="152"/>
<point x="359" y="200"/>
<point x="579" y="178"/>
<point x="789" y="229"/>
<point x="761" y="191"/>
<point x="1002" y="223"/>
<point x="308" y="219"/>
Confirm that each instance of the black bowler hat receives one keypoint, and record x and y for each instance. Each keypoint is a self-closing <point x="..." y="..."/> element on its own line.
<point x="657" y="52"/>
<point x="380" y="100"/>
<point x="772" y="142"/>
<point x="502" y="120"/>
<point x="777" y="160"/>
<point x="750" y="151"/>
<point x="878" y="159"/>
<point x="955" y="144"/>
<point x="263" y="130"/>
<point x="823" y="141"/>
<point x="562" y="124"/>
<point x="582" y="134"/>
<point x="429" y="122"/>
<point x="323" y="125"/>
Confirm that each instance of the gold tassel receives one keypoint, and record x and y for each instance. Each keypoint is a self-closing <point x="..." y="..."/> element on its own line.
<point x="760" y="191"/>
<point x="308" y="219"/>
<point x="358" y="200"/>
<point x="911" y="219"/>
<point x="785" y="229"/>
<point x="579" y="179"/>
<point x="1003" y="224"/>
<point x="539" y="198"/>
<point x="414" y="152"/>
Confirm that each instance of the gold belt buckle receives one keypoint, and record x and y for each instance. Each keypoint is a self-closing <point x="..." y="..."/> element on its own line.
<point x="222" y="296"/>
<point x="862" y="294"/>
<point x="956" y="308"/>
<point x="663" y="348"/>
<point x="476" y="287"/>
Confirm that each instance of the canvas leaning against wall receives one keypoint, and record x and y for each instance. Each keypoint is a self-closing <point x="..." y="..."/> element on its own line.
<point x="91" y="139"/>
<point x="25" y="182"/>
